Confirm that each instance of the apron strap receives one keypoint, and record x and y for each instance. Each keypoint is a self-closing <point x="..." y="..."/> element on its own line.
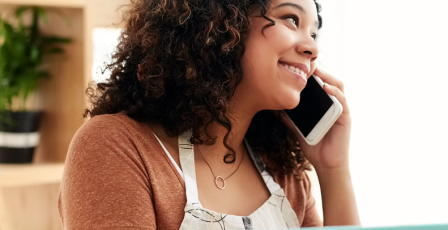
<point x="186" y="156"/>
<point x="255" y="157"/>
<point x="272" y="186"/>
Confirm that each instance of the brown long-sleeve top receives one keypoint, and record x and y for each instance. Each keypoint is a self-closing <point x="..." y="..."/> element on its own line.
<point x="117" y="176"/>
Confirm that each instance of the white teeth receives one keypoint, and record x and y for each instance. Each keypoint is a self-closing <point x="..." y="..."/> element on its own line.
<point x="296" y="70"/>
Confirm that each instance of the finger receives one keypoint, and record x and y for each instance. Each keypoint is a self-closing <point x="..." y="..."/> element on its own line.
<point x="327" y="78"/>
<point x="335" y="91"/>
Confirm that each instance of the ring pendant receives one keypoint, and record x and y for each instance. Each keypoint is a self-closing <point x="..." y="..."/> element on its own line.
<point x="223" y="182"/>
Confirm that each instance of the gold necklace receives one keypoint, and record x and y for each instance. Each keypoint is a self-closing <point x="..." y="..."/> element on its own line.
<point x="219" y="177"/>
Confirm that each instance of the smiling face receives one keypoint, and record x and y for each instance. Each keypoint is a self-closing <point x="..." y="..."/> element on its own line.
<point x="279" y="59"/>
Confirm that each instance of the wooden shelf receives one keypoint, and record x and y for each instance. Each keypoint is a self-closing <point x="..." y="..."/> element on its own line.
<point x="15" y="175"/>
<point x="29" y="196"/>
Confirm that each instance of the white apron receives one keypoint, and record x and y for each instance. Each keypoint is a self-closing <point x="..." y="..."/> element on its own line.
<point x="275" y="213"/>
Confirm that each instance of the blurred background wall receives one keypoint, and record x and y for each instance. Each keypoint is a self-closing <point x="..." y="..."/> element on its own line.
<point x="392" y="57"/>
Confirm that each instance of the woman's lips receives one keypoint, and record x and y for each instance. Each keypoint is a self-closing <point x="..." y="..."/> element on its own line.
<point x="297" y="65"/>
<point x="296" y="72"/>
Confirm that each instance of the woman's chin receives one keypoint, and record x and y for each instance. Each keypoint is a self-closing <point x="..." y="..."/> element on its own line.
<point x="289" y="103"/>
<point x="291" y="107"/>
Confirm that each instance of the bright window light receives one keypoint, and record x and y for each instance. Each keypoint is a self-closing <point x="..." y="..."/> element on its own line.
<point x="104" y="42"/>
<point x="391" y="56"/>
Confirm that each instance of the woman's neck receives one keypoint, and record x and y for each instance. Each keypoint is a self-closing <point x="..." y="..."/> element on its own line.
<point x="240" y="117"/>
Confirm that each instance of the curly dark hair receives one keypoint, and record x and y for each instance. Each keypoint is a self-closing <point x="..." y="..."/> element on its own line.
<point x="178" y="63"/>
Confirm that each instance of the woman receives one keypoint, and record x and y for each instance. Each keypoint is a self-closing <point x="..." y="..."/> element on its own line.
<point x="184" y="135"/>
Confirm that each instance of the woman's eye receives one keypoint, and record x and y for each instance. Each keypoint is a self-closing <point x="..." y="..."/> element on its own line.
<point x="314" y="36"/>
<point x="293" y="19"/>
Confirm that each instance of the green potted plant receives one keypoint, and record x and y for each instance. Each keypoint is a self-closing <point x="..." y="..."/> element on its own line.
<point x="23" y="49"/>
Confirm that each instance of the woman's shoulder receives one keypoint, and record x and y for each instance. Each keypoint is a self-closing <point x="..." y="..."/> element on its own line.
<point x="117" y="126"/>
<point x="110" y="123"/>
<point x="112" y="133"/>
<point x="117" y="137"/>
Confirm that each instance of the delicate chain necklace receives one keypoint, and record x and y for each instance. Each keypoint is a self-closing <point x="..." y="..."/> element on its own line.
<point x="219" y="177"/>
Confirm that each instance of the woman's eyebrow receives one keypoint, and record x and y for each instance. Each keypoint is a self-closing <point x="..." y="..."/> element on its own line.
<point x="299" y="7"/>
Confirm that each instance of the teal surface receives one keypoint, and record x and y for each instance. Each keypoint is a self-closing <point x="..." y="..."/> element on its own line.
<point x="415" y="227"/>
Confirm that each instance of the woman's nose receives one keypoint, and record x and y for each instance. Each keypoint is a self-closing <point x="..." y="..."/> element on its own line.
<point x="308" y="47"/>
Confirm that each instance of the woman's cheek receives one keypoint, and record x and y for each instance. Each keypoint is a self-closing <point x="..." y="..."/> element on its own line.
<point x="280" y="37"/>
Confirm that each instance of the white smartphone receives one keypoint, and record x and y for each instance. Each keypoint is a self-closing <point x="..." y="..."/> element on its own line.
<point x="316" y="113"/>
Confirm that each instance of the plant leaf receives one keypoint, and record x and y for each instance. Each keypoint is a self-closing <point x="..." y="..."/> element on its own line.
<point x="42" y="14"/>
<point x="19" y="11"/>
<point x="22" y="52"/>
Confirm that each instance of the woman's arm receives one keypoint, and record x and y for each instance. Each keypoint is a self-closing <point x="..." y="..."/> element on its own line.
<point x="338" y="197"/>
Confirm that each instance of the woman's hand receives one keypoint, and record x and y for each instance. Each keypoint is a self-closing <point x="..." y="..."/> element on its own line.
<point x="333" y="150"/>
<point x="330" y="159"/>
